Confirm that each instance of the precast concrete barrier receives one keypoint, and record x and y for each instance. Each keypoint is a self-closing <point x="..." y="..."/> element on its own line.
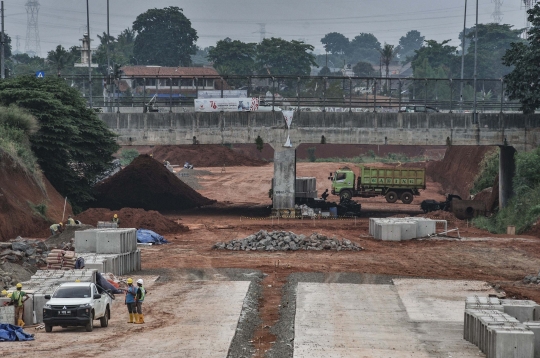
<point x="400" y="229"/>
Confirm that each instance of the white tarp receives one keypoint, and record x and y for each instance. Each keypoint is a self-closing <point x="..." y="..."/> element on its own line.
<point x="205" y="94"/>
<point x="227" y="105"/>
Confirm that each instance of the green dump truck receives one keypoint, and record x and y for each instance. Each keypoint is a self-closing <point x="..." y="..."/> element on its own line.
<point x="392" y="182"/>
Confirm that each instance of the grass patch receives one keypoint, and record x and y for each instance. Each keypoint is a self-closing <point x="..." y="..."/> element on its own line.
<point x="127" y="156"/>
<point x="39" y="209"/>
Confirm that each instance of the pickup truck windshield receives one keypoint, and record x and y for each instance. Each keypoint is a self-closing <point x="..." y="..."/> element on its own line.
<point x="73" y="292"/>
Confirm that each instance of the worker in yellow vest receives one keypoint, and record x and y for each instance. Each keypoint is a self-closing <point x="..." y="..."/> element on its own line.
<point x="17" y="299"/>
<point x="139" y="299"/>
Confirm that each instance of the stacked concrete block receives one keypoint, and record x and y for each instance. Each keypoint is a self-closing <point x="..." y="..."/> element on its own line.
<point x="400" y="229"/>
<point x="106" y="225"/>
<point x="535" y="328"/>
<point x="118" y="264"/>
<point x="523" y="310"/>
<point x="510" y="341"/>
<point x="306" y="187"/>
<point x="117" y="241"/>
<point x="7" y="313"/>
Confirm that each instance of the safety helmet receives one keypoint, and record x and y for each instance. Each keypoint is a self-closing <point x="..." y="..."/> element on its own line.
<point x="77" y="280"/>
<point x="60" y="224"/>
<point x="4" y="293"/>
<point x="129" y="280"/>
<point x="19" y="285"/>
<point x="140" y="281"/>
<point x="115" y="216"/>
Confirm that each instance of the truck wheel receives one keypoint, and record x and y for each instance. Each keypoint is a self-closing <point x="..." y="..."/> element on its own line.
<point x="90" y="325"/>
<point x="345" y="195"/>
<point x="391" y="197"/>
<point x="104" y="321"/>
<point x="48" y="328"/>
<point x="406" y="198"/>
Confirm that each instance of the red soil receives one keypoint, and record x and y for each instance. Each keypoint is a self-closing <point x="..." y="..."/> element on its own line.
<point x="133" y="218"/>
<point x="18" y="190"/>
<point x="147" y="184"/>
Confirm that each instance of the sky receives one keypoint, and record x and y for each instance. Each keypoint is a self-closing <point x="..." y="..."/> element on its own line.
<point x="64" y="21"/>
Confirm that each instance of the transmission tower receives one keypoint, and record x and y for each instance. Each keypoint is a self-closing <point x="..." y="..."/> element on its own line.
<point x="497" y="14"/>
<point x="262" y="31"/>
<point x="527" y="5"/>
<point x="32" y="44"/>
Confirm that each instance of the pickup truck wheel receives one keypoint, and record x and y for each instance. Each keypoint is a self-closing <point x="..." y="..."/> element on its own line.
<point x="104" y="321"/>
<point x="345" y="195"/>
<point x="48" y="328"/>
<point x="406" y="198"/>
<point x="90" y="325"/>
<point x="391" y="197"/>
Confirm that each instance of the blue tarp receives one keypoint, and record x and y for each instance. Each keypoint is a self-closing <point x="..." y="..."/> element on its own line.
<point x="10" y="333"/>
<point x="148" y="236"/>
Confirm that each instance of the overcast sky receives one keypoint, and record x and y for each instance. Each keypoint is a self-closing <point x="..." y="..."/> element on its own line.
<point x="63" y="21"/>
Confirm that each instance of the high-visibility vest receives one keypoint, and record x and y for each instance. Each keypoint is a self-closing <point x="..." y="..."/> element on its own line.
<point x="143" y="293"/>
<point x="17" y="297"/>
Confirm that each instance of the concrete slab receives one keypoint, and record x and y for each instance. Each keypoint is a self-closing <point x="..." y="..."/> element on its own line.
<point x="206" y="321"/>
<point x="348" y="320"/>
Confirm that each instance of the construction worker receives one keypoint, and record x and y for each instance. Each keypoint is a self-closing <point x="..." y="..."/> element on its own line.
<point x="17" y="299"/>
<point x="139" y="299"/>
<point x="324" y="195"/>
<point x="56" y="228"/>
<point x="70" y="221"/>
<point x="131" y="293"/>
<point x="4" y="293"/>
<point x="116" y="220"/>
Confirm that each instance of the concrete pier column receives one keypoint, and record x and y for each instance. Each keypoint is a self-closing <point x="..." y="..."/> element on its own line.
<point x="507" y="170"/>
<point x="284" y="178"/>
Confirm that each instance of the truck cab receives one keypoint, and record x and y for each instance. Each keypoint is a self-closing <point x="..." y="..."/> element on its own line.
<point x="343" y="183"/>
<point x="77" y="304"/>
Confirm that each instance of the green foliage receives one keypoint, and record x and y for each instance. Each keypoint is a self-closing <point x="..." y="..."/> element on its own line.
<point x="40" y="209"/>
<point x="436" y="55"/>
<point x="489" y="169"/>
<point x="523" y="209"/>
<point x="522" y="83"/>
<point x="364" y="47"/>
<point x="259" y="142"/>
<point x="408" y="44"/>
<point x="60" y="58"/>
<point x="325" y="71"/>
<point x="164" y="38"/>
<point x="335" y="43"/>
<point x="127" y="156"/>
<point x="311" y="154"/>
<point x="73" y="145"/>
<point x="387" y="55"/>
<point x="276" y="56"/>
<point x="7" y="46"/>
<point x="363" y="69"/>
<point x="120" y="50"/>
<point x="236" y="55"/>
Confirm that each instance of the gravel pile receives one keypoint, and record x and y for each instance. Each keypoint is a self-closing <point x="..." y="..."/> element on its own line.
<point x="287" y="241"/>
<point x="532" y="279"/>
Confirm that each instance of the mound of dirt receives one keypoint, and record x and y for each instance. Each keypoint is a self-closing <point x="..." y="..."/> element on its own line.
<point x="460" y="166"/>
<point x="207" y="155"/>
<point x="19" y="191"/>
<point x="133" y="218"/>
<point x="56" y="241"/>
<point x="146" y="184"/>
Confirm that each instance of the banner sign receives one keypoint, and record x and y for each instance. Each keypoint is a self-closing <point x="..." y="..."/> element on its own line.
<point x="227" y="105"/>
<point x="205" y="94"/>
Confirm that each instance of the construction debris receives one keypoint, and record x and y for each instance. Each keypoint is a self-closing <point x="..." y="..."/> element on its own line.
<point x="287" y="241"/>
<point x="532" y="279"/>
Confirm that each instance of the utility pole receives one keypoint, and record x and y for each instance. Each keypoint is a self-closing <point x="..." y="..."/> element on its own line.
<point x="2" y="40"/>
<point x="89" y="54"/>
<point x="463" y="55"/>
<point x="475" y="115"/>
<point x="109" y="77"/>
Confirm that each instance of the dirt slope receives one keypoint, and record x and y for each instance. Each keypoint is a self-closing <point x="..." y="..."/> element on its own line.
<point x="18" y="191"/>
<point x="457" y="171"/>
<point x="147" y="184"/>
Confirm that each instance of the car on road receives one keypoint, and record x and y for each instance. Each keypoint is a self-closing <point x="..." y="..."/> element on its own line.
<point x="77" y="304"/>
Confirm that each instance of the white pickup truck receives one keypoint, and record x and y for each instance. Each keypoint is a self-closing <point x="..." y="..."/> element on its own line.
<point x="77" y="304"/>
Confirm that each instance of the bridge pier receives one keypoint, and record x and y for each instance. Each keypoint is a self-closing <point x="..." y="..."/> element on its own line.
<point x="507" y="170"/>
<point x="284" y="181"/>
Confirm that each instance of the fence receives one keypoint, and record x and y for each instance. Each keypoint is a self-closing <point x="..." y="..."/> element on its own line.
<point x="332" y="93"/>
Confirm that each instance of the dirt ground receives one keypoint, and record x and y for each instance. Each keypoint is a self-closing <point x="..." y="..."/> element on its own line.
<point x="242" y="192"/>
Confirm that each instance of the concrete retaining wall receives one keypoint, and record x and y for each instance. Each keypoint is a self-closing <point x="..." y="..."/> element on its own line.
<point x="520" y="131"/>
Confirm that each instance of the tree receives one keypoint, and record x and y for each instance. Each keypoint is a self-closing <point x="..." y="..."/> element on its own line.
<point x="387" y="56"/>
<point x="73" y="145"/>
<point x="276" y="56"/>
<point x="363" y="69"/>
<point x="364" y="47"/>
<point x="522" y="83"/>
<point x="437" y="55"/>
<point x="335" y="43"/>
<point x="408" y="44"/>
<point x="7" y="46"/>
<point x="325" y="71"/>
<point x="120" y="50"/>
<point x="164" y="38"/>
<point x="237" y="56"/>
<point x="60" y="58"/>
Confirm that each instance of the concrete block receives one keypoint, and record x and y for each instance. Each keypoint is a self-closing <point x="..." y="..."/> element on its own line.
<point x="7" y="313"/>
<point x="523" y="310"/>
<point x="408" y="230"/>
<point x="116" y="241"/>
<point x="535" y="328"/>
<point x="505" y="342"/>
<point x="85" y="241"/>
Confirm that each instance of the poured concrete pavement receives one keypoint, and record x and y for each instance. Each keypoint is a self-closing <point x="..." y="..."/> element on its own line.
<point x="413" y="318"/>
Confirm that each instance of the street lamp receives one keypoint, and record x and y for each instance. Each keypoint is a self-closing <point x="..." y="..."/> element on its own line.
<point x="475" y="114"/>
<point x="89" y="53"/>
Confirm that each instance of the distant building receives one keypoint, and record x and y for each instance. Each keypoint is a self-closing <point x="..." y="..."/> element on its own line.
<point x="163" y="81"/>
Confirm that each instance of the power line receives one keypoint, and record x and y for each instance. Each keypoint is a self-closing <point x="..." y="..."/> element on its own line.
<point x="32" y="44"/>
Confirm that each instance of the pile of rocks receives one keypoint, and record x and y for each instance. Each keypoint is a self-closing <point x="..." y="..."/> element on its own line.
<point x="27" y="252"/>
<point x="532" y="279"/>
<point x="287" y="241"/>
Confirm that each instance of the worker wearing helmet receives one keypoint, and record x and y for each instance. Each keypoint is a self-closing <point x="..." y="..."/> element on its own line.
<point x="17" y="299"/>
<point x="70" y="221"/>
<point x="56" y="228"/>
<point x="116" y="220"/>
<point x="139" y="299"/>
<point x="131" y="293"/>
